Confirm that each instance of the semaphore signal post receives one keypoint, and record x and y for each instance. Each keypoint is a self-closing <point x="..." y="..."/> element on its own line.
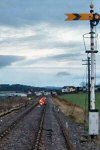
<point x="94" y="19"/>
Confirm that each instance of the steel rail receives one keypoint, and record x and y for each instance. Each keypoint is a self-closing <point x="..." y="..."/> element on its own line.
<point x="69" y="144"/>
<point x="36" y="147"/>
<point x="11" y="110"/>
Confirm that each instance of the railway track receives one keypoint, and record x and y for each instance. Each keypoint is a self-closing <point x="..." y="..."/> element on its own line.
<point x="69" y="144"/>
<point x="45" y="133"/>
<point x="5" y="131"/>
<point x="39" y="135"/>
<point x="24" y="134"/>
<point x="43" y="139"/>
<point x="42" y="129"/>
<point x="11" y="110"/>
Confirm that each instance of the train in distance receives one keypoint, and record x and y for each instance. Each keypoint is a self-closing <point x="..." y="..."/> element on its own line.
<point x="42" y="101"/>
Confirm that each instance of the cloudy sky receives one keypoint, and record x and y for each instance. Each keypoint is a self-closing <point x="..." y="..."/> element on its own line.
<point x="38" y="47"/>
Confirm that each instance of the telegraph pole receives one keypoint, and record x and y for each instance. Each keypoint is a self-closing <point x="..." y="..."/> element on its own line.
<point x="88" y="64"/>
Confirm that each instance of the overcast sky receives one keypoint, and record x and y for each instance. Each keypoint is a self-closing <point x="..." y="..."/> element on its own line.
<point x="38" y="47"/>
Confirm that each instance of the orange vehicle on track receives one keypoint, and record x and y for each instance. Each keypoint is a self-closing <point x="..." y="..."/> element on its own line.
<point x="42" y="101"/>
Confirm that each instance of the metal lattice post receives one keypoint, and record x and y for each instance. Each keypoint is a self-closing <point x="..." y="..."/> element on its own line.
<point x="88" y="83"/>
<point x="92" y="101"/>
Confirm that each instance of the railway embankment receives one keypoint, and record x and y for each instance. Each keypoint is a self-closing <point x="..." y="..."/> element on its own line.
<point x="70" y="109"/>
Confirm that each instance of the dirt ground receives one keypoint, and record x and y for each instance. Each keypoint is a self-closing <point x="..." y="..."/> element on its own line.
<point x="70" y="109"/>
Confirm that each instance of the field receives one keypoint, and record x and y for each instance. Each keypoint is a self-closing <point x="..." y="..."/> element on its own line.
<point x="80" y="99"/>
<point x="7" y="103"/>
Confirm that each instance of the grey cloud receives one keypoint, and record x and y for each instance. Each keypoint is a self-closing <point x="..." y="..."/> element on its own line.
<point x="63" y="74"/>
<point x="7" y="60"/>
<point x="55" y="58"/>
<point x="17" y="12"/>
<point x="98" y="76"/>
<point x="68" y="45"/>
<point x="40" y="41"/>
<point x="44" y="43"/>
<point x="34" y="41"/>
<point x="65" y="56"/>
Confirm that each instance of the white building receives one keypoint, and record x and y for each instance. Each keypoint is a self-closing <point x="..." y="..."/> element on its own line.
<point x="68" y="89"/>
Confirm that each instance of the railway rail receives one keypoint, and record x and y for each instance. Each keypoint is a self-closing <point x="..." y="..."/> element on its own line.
<point x="69" y="144"/>
<point x="13" y="124"/>
<point x="44" y="136"/>
<point x="43" y="128"/>
<point x="11" y="110"/>
<point x="38" y="138"/>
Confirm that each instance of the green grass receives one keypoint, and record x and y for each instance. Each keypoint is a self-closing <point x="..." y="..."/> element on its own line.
<point x="98" y="101"/>
<point x="80" y="99"/>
